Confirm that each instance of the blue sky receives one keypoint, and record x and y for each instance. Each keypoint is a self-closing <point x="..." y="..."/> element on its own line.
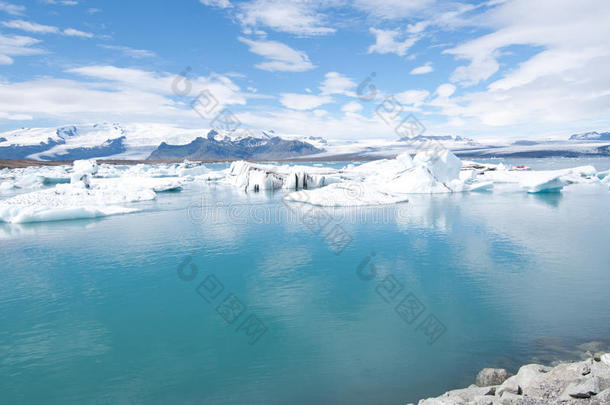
<point x="480" y="69"/>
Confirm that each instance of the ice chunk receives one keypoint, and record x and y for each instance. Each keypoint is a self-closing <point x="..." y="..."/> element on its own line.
<point x="29" y="181"/>
<point x="24" y="214"/>
<point x="85" y="166"/>
<point x="257" y="177"/>
<point x="6" y="186"/>
<point x="542" y="181"/>
<point x="69" y="201"/>
<point x="543" y="184"/>
<point x="481" y="186"/>
<point x="345" y="194"/>
<point x="390" y="181"/>
<point x="82" y="172"/>
<point x="168" y="187"/>
<point x="442" y="164"/>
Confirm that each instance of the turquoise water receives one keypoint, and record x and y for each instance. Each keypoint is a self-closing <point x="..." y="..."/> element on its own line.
<point x="97" y="312"/>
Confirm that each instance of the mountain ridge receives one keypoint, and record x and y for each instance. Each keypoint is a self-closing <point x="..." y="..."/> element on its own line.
<point x="213" y="147"/>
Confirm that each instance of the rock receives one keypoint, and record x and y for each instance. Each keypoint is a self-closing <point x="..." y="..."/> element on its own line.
<point x="584" y="382"/>
<point x="511" y="399"/>
<point x="491" y="376"/>
<point x="441" y="401"/>
<point x="584" y="388"/>
<point x="461" y="396"/>
<point x="509" y="386"/>
<point x="483" y="400"/>
<point x="530" y="375"/>
<point x="603" y="397"/>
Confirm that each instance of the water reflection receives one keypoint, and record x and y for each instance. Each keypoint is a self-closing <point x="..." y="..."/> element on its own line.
<point x="502" y="271"/>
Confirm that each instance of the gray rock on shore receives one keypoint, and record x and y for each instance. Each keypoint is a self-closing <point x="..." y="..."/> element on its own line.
<point x="586" y="382"/>
<point x="491" y="376"/>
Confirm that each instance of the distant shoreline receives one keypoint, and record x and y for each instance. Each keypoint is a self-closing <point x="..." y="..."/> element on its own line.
<point x="22" y="163"/>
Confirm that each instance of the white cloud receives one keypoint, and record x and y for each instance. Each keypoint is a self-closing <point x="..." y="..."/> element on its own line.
<point x="385" y="42"/>
<point x="221" y="87"/>
<point x="45" y="98"/>
<point x="346" y="126"/>
<point x="30" y="27"/>
<point x="336" y="83"/>
<point x="412" y="97"/>
<point x="298" y="17"/>
<point x="352" y="107"/>
<point x="543" y="24"/>
<point x="16" y="45"/>
<point x="217" y="3"/>
<point x="445" y="90"/>
<point x="392" y="9"/>
<point x="422" y="70"/>
<point x="280" y="56"/>
<point x="418" y="27"/>
<point x="131" y="52"/>
<point x="11" y="9"/>
<point x="62" y="2"/>
<point x="566" y="79"/>
<point x="76" y="33"/>
<point x="303" y="101"/>
<point x="44" y="29"/>
<point x="15" y="117"/>
<point x="111" y="93"/>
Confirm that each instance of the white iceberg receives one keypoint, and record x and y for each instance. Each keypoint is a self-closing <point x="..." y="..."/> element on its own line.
<point x="542" y="180"/>
<point x="25" y="214"/>
<point x="257" y="177"/>
<point x="390" y="181"/>
<point x="345" y="194"/>
<point x="73" y="201"/>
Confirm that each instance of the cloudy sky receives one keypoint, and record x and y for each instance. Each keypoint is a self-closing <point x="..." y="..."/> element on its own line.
<point x="481" y="69"/>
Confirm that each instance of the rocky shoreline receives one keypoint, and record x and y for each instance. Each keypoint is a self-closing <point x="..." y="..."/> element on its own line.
<point x="584" y="382"/>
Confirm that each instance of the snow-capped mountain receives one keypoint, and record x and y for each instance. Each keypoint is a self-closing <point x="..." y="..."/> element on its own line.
<point x="140" y="141"/>
<point x="67" y="143"/>
<point x="591" y="136"/>
<point x="101" y="140"/>
<point x="221" y="146"/>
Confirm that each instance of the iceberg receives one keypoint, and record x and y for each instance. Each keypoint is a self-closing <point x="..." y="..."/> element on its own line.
<point x="543" y="180"/>
<point x="87" y="189"/>
<point x="346" y="194"/>
<point x="93" y="191"/>
<point x="390" y="181"/>
<point x="257" y="177"/>
<point x="25" y="214"/>
<point x="74" y="201"/>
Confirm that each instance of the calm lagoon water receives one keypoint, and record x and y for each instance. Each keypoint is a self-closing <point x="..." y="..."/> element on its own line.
<point x="96" y="312"/>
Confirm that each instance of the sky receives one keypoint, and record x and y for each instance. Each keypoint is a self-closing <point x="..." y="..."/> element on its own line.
<point x="479" y="69"/>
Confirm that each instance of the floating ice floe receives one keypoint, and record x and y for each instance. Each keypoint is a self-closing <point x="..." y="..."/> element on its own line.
<point x="435" y="171"/>
<point x="541" y="180"/>
<point x="257" y="177"/>
<point x="31" y="178"/>
<point x="84" y="197"/>
<point x="67" y="201"/>
<point x="99" y="190"/>
<point x="391" y="180"/>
